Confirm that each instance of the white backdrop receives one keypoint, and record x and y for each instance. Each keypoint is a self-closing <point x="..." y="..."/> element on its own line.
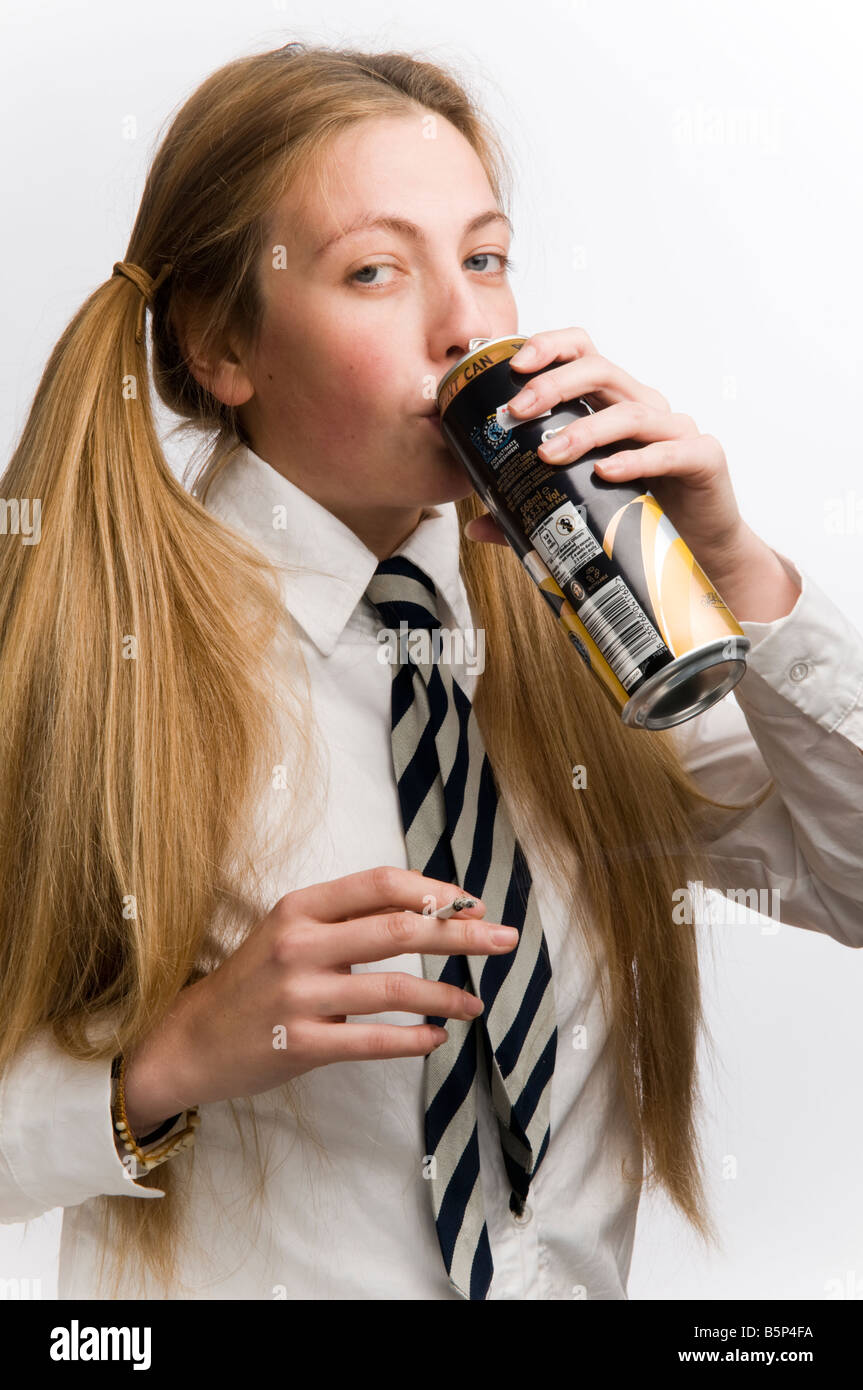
<point x="688" y="190"/>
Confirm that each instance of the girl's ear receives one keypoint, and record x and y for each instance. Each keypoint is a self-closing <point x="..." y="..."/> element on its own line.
<point x="225" y="379"/>
<point x="223" y="375"/>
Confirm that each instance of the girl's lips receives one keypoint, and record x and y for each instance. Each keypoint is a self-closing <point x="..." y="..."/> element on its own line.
<point x="433" y="420"/>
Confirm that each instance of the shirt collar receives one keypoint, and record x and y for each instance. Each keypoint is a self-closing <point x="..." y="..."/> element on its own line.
<point x="324" y="566"/>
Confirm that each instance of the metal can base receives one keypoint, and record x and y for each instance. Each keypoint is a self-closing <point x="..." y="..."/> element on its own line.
<point x="687" y="687"/>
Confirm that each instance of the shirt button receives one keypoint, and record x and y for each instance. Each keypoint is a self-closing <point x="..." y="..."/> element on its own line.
<point x="799" y="671"/>
<point x="526" y="1216"/>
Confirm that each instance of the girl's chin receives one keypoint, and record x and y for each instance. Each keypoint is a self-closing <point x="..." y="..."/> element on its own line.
<point x="448" y="484"/>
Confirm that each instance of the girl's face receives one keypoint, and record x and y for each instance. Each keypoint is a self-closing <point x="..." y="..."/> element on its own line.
<point x="359" y="327"/>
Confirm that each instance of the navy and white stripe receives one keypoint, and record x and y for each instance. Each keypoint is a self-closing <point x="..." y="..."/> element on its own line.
<point x="457" y="830"/>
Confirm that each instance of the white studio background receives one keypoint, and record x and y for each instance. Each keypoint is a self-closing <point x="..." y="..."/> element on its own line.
<point x="687" y="190"/>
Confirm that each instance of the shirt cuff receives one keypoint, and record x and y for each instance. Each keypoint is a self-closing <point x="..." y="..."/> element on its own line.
<point x="57" y="1137"/>
<point x="811" y="657"/>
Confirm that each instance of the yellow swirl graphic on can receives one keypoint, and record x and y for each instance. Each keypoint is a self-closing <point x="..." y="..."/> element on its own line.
<point x="686" y="608"/>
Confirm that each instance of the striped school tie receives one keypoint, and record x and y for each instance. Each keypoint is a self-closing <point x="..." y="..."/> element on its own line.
<point x="457" y="831"/>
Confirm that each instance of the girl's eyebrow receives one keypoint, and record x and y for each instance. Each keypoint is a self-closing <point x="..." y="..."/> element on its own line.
<point x="393" y="223"/>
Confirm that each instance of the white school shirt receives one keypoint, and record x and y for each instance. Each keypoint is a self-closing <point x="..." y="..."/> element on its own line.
<point x="354" y="1220"/>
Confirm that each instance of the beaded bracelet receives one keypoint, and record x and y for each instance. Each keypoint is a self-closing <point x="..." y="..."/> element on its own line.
<point x="181" y="1140"/>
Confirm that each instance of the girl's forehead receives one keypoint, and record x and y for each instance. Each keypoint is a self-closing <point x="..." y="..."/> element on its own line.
<point x="388" y="166"/>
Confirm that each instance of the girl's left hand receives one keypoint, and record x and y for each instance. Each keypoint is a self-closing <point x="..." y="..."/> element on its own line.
<point x="687" y="471"/>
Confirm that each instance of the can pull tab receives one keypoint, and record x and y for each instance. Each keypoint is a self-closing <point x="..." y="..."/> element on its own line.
<point x="474" y="343"/>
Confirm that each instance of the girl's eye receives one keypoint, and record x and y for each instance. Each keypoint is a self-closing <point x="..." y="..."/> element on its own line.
<point x="505" y="262"/>
<point x="375" y="265"/>
<point x="505" y="265"/>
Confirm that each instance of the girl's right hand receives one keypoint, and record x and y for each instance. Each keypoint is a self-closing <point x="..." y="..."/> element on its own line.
<point x="277" y="1006"/>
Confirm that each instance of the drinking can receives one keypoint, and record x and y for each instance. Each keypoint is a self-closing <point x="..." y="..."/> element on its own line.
<point x="632" y="598"/>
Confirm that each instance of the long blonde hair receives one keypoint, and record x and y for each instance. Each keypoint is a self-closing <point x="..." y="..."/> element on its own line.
<point x="142" y="714"/>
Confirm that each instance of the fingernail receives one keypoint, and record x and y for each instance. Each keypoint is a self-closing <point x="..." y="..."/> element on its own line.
<point x="524" y="354"/>
<point x="610" y="465"/>
<point x="504" y="936"/>
<point x="555" y="447"/>
<point x="524" y="400"/>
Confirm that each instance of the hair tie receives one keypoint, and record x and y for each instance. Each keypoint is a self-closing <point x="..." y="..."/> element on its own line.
<point x="146" y="284"/>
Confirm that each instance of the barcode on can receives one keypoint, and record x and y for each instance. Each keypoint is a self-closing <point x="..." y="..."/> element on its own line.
<point x="621" y="629"/>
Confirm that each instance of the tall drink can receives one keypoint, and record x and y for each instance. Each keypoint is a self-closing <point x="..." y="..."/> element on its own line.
<point x="632" y="598"/>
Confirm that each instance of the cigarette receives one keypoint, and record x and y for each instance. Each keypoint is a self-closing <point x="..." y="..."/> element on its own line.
<point x="455" y="906"/>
